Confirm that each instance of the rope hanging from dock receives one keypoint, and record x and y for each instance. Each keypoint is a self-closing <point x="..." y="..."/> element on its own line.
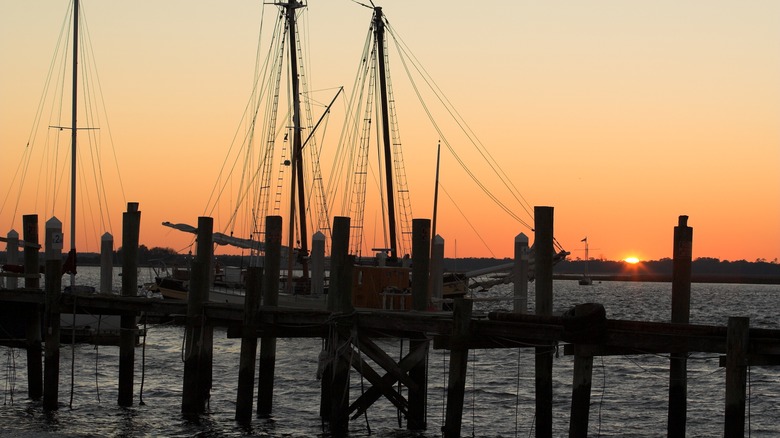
<point x="10" y="376"/>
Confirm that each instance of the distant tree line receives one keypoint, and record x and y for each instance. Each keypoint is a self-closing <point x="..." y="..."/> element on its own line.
<point x="703" y="267"/>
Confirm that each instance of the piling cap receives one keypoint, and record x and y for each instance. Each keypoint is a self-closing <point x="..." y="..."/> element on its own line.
<point x="521" y="238"/>
<point x="683" y="221"/>
<point x="106" y="236"/>
<point x="12" y="234"/>
<point x="53" y="223"/>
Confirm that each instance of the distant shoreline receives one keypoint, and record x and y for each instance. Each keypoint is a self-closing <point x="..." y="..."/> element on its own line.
<point x="665" y="278"/>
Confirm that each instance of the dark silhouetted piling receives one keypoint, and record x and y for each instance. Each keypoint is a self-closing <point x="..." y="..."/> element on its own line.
<point x="197" y="377"/>
<point x="459" y="354"/>
<point x="520" y="287"/>
<point x="267" y="368"/>
<point x="543" y="244"/>
<point x="334" y="404"/>
<point x="246" y="365"/>
<point x="736" y="375"/>
<point x="51" y="368"/>
<point x="421" y="250"/>
<point x="33" y="328"/>
<point x="583" y="324"/>
<point x="106" y="263"/>
<point x="131" y="225"/>
<point x="681" y="304"/>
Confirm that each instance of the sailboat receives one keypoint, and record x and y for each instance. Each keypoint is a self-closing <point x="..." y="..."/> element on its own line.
<point x="282" y="174"/>
<point x="95" y="328"/>
<point x="585" y="280"/>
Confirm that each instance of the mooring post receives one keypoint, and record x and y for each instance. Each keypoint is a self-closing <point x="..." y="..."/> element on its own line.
<point x="584" y="324"/>
<point x="681" y="304"/>
<point x="12" y="256"/>
<point x="520" y="286"/>
<point x="737" y="337"/>
<point x="340" y="295"/>
<point x="437" y="272"/>
<point x="334" y="402"/>
<point x="459" y="355"/>
<point x="106" y="263"/>
<point x="246" y="365"/>
<point x="33" y="329"/>
<point x="131" y="225"/>
<point x="196" y="381"/>
<point x="267" y="368"/>
<point x="51" y="368"/>
<point x="421" y="250"/>
<point x="317" y="263"/>
<point x="543" y="243"/>
<point x="580" y="395"/>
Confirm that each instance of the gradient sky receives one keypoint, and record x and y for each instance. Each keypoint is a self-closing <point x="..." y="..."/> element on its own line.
<point x="621" y="115"/>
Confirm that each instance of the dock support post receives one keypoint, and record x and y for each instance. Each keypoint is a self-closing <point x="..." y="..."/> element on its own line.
<point x="543" y="244"/>
<point x="736" y="375"/>
<point x="12" y="254"/>
<point x="334" y="404"/>
<point x="520" y="286"/>
<point x="246" y="366"/>
<point x="196" y="376"/>
<point x="131" y="224"/>
<point x="267" y="367"/>
<point x="107" y="263"/>
<point x="317" y="263"/>
<point x="51" y="370"/>
<point x="32" y="281"/>
<point x="421" y="250"/>
<point x="459" y="355"/>
<point x="437" y="272"/>
<point x="681" y="304"/>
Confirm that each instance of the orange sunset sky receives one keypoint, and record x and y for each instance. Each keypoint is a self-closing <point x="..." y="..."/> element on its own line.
<point x="622" y="115"/>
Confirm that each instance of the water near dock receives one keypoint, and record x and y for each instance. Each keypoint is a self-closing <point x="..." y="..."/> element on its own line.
<point x="629" y="396"/>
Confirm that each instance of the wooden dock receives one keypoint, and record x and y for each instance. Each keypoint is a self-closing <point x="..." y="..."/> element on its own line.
<point x="350" y="335"/>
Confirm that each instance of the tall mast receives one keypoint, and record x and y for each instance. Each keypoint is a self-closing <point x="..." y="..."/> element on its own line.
<point x="73" y="131"/>
<point x="379" y="34"/>
<point x="297" y="161"/>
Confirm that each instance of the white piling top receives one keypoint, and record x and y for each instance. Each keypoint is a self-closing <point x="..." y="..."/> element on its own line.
<point x="53" y="223"/>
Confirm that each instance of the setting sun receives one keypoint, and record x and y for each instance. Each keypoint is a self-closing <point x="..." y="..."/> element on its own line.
<point x="632" y="260"/>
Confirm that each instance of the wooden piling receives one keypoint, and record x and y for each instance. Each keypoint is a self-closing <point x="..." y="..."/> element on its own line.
<point x="51" y="368"/>
<point x="33" y="328"/>
<point x="334" y="403"/>
<point x="736" y="376"/>
<point x="12" y="257"/>
<point x="437" y="270"/>
<point x="246" y="366"/>
<point x="421" y="250"/>
<point x="520" y="287"/>
<point x="340" y="293"/>
<point x="267" y="367"/>
<point x="543" y="244"/>
<point x="459" y="354"/>
<point x="585" y="324"/>
<point x="681" y="303"/>
<point x="107" y="263"/>
<point x="131" y="225"/>
<point x="318" y="263"/>
<point x="197" y="383"/>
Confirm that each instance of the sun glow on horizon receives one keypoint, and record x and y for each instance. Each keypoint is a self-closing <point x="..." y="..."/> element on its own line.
<point x="632" y="260"/>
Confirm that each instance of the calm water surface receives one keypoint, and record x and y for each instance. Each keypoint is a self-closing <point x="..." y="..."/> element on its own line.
<point x="629" y="395"/>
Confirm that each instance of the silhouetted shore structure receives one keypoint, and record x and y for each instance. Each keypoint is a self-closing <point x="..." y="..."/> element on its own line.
<point x="350" y="335"/>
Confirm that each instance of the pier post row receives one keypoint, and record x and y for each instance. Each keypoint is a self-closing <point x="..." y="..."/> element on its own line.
<point x="350" y="331"/>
